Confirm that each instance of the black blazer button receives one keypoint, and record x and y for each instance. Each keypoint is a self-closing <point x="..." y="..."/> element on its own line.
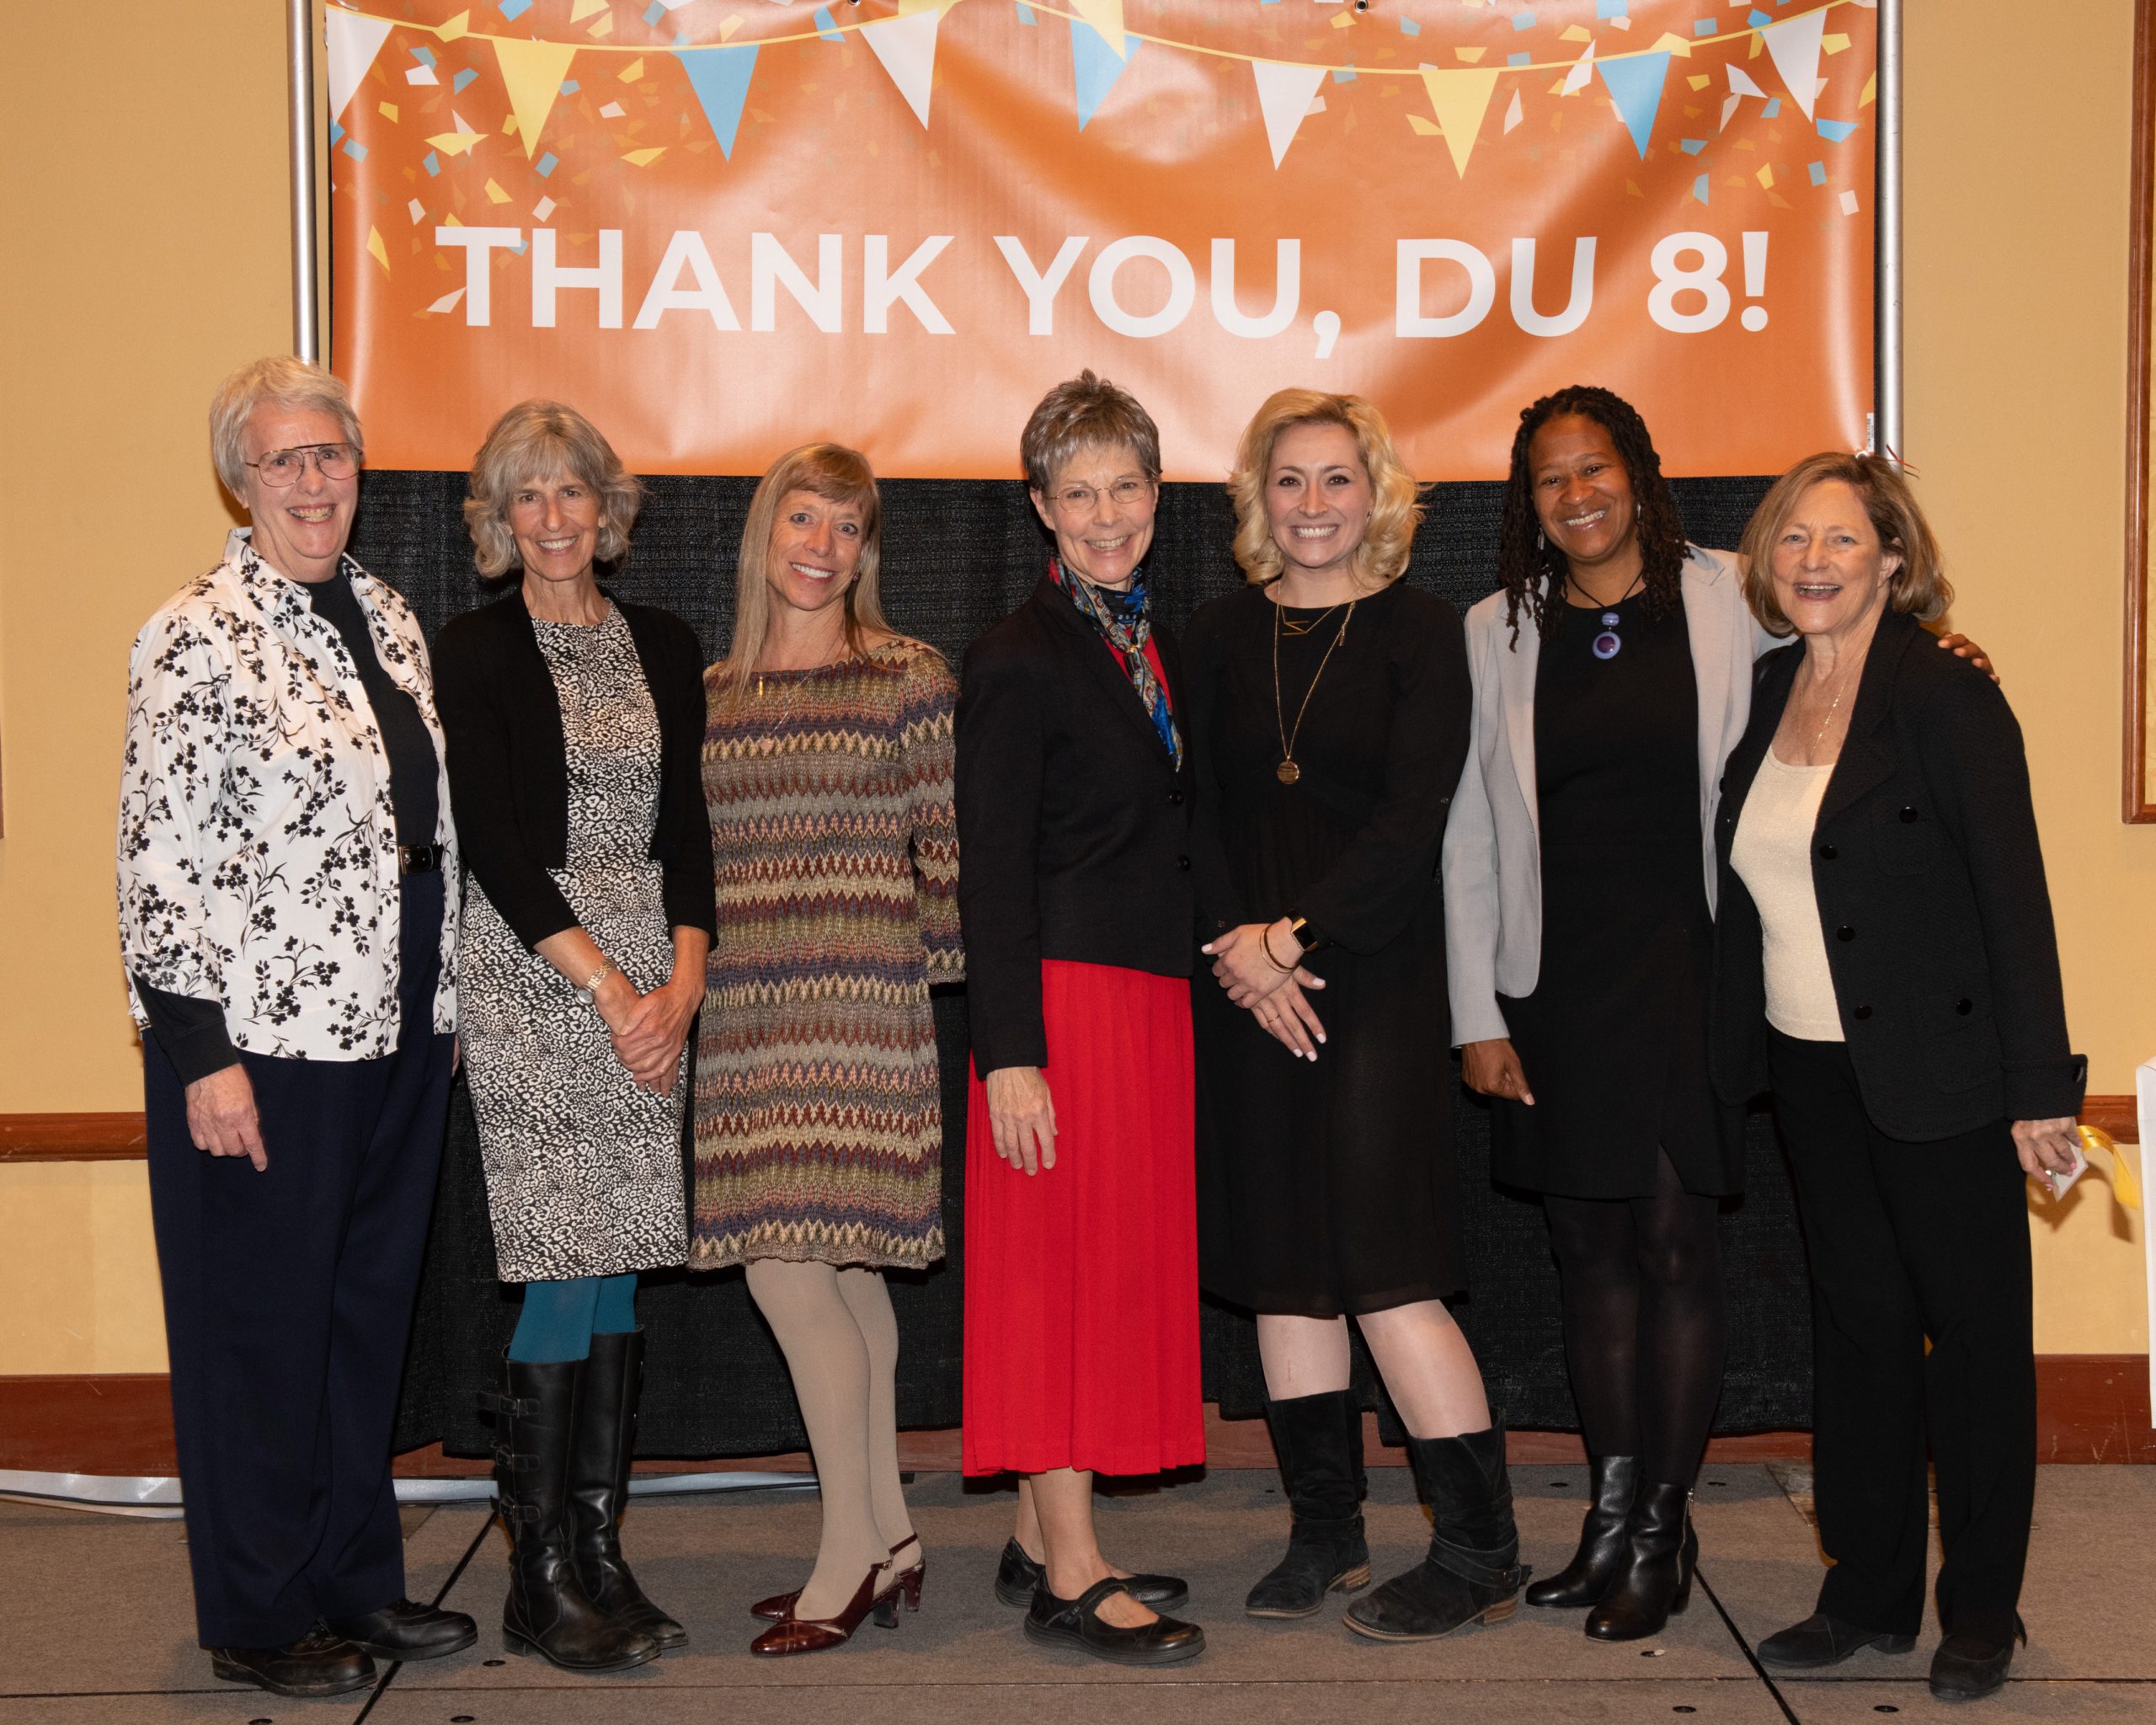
<point x="1845" y="933"/>
<point x="1860" y="1012"/>
<point x="1183" y="863"/>
<point x="1965" y="1008"/>
<point x="1828" y="853"/>
<point x="1175" y="799"/>
<point x="1908" y="814"/>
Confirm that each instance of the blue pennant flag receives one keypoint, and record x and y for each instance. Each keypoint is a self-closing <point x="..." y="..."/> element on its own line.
<point x="720" y="79"/>
<point x="1095" y="67"/>
<point x="1634" y="84"/>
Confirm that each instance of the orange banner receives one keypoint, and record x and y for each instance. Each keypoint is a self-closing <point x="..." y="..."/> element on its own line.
<point x="723" y="228"/>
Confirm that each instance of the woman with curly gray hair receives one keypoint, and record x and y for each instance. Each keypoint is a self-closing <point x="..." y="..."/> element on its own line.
<point x="575" y="722"/>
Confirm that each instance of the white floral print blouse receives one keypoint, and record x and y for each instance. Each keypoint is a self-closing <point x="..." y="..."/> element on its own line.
<point x="258" y="846"/>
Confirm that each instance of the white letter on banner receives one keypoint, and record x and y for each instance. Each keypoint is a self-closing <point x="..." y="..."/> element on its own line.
<point x="1182" y="286"/>
<point x="1482" y="288"/>
<point x="685" y="250"/>
<point x="880" y="290"/>
<point x="478" y="283"/>
<point x="1040" y="291"/>
<point x="1532" y="322"/>
<point x="547" y="277"/>
<point x="1705" y="280"/>
<point x="770" y="267"/>
<point x="1287" y="292"/>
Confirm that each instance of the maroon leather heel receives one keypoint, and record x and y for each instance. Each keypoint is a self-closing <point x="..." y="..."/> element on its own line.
<point x="780" y="1606"/>
<point x="799" y="1635"/>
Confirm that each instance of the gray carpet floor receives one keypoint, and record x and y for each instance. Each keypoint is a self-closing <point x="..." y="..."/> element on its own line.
<point x="97" y="1629"/>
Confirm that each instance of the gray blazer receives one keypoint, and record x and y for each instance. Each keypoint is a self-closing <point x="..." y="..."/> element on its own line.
<point x="1493" y="849"/>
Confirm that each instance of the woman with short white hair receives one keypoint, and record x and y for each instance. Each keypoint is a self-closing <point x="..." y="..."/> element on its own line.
<point x="283" y="833"/>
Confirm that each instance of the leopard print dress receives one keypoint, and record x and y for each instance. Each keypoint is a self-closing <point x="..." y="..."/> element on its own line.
<point x="583" y="1170"/>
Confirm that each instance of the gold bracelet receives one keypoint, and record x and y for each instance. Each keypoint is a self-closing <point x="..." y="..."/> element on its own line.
<point x="1265" y="944"/>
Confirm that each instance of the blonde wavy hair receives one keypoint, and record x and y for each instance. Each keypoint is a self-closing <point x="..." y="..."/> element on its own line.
<point x="1918" y="587"/>
<point x="1396" y="497"/>
<point x="544" y="439"/>
<point x="838" y="475"/>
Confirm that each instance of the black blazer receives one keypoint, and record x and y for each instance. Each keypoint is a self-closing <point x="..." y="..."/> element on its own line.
<point x="1931" y="884"/>
<point x="509" y="767"/>
<point x="1073" y="823"/>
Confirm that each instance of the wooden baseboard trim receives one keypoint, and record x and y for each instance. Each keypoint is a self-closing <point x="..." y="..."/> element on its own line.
<point x="2090" y="1407"/>
<point x="2118" y="1115"/>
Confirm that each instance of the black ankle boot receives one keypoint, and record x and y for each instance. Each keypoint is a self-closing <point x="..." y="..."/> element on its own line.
<point x="598" y="1485"/>
<point x="1613" y="1482"/>
<point x="1472" y="1573"/>
<point x="1321" y="1468"/>
<point x="1655" y="1581"/>
<point x="547" y="1613"/>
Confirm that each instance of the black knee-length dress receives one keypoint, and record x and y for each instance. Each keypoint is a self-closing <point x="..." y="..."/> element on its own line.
<point x="1329" y="1188"/>
<point x="1613" y="1039"/>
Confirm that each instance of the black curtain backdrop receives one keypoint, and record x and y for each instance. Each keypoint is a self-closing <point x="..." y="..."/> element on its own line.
<point x="959" y="555"/>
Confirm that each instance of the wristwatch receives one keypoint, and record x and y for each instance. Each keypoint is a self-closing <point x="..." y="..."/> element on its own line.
<point x="589" y="993"/>
<point x="1305" y="936"/>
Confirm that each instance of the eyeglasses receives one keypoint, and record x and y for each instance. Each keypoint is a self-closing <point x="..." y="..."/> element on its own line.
<point x="1073" y="499"/>
<point x="283" y="467"/>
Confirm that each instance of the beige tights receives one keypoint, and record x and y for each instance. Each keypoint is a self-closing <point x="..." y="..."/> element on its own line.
<point x="842" y="1347"/>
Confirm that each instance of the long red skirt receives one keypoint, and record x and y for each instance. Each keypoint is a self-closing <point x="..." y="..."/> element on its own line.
<point x="1082" y="1281"/>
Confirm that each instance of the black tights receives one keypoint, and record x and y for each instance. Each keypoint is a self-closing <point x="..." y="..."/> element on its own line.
<point x="1643" y="1321"/>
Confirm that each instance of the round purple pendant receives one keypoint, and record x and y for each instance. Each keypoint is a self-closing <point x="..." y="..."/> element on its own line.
<point x="1606" y="646"/>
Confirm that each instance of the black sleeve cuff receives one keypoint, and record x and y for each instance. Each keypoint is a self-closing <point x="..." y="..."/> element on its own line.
<point x="191" y="1032"/>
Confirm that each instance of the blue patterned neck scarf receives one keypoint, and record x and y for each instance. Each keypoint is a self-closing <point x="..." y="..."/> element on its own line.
<point x="1125" y="622"/>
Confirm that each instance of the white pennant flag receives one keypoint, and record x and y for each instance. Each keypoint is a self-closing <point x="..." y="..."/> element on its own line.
<point x="1581" y="74"/>
<point x="1741" y="83"/>
<point x="1514" y="114"/>
<point x="907" y="47"/>
<point x="1283" y="97"/>
<point x="1794" y="45"/>
<point x="354" y="40"/>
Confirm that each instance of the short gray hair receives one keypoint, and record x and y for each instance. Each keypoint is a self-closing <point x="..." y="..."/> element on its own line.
<point x="1086" y="413"/>
<point x="278" y="382"/>
<point x="537" y="439"/>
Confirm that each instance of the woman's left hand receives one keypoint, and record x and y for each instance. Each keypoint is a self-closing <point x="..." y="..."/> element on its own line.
<point x="1240" y="962"/>
<point x="1962" y="646"/>
<point x="649" y="1040"/>
<point x="2047" y="1147"/>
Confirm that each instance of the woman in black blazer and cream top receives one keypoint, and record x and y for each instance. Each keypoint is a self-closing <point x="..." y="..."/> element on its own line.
<point x="1886" y="965"/>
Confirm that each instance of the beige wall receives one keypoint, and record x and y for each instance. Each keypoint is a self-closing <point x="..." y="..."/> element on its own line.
<point x="133" y="300"/>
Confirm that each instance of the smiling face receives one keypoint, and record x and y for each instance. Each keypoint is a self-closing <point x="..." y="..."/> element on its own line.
<point x="1830" y="572"/>
<point x="555" y="522"/>
<point x="1582" y="495"/>
<point x="300" y="529"/>
<point x="816" y="551"/>
<point x="1318" y="497"/>
<point x="1100" y="506"/>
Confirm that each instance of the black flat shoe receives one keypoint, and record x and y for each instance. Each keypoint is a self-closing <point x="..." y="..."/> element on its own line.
<point x="1820" y="1640"/>
<point x="1018" y="1579"/>
<point x="316" y="1664"/>
<point x="1967" y="1668"/>
<point x="1076" y="1623"/>
<point x="403" y="1631"/>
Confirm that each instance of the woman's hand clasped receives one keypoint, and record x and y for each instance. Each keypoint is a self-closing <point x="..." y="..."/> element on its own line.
<point x="1247" y="961"/>
<point x="1493" y="1068"/>
<point x="221" y="1118"/>
<point x="1022" y="1116"/>
<point x="650" y="1029"/>
<point x="2047" y="1147"/>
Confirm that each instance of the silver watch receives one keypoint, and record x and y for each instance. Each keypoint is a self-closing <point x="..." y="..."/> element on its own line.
<point x="589" y="993"/>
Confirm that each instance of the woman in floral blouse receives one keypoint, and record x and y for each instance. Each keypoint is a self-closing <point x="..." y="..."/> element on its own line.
<point x="283" y="835"/>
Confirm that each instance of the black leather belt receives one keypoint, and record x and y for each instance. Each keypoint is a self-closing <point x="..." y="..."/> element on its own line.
<point x="418" y="859"/>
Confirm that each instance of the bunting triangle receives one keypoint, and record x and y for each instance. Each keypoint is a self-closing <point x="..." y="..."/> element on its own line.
<point x="354" y="40"/>
<point x="1581" y="74"/>
<point x="533" y="74"/>
<point x="1095" y="67"/>
<point x="1794" y="42"/>
<point x="720" y="77"/>
<point x="1283" y="97"/>
<point x="1105" y="16"/>
<point x="906" y="45"/>
<point x="1635" y="85"/>
<point x="1459" y="98"/>
<point x="1741" y="82"/>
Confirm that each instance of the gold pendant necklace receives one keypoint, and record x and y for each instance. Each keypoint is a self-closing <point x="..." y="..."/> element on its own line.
<point x="1287" y="772"/>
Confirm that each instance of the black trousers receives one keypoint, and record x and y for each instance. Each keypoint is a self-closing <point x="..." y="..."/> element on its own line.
<point x="1908" y="1242"/>
<point x="288" y="1299"/>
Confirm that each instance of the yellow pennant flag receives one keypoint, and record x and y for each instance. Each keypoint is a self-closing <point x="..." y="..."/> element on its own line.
<point x="533" y="74"/>
<point x="1459" y="98"/>
<point x="1106" y="17"/>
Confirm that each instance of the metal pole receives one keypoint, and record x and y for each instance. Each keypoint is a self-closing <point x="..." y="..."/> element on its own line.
<point x="1886" y="372"/>
<point x="306" y="335"/>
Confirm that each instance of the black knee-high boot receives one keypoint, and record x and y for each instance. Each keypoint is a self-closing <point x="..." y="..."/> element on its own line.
<point x="1321" y="1466"/>
<point x="547" y="1613"/>
<point x="598" y="1485"/>
<point x="1613" y="1482"/>
<point x="1660" y="1550"/>
<point x="1472" y="1572"/>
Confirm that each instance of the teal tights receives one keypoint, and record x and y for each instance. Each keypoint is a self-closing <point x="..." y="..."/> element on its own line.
<point x="560" y="1318"/>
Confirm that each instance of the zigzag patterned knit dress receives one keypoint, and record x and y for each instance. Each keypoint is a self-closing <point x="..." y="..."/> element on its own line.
<point x="818" y="1123"/>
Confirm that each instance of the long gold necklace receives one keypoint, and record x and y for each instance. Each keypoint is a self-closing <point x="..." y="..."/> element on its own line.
<point x="1287" y="772"/>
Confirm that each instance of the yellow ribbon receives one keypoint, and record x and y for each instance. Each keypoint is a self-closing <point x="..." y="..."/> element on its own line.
<point x="2124" y="1187"/>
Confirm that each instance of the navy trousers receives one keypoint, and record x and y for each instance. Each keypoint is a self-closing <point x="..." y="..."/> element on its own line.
<point x="288" y="1299"/>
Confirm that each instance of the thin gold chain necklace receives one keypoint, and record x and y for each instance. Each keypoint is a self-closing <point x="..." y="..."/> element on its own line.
<point x="1287" y="772"/>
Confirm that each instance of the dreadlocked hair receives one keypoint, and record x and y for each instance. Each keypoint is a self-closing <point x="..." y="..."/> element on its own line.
<point x="1533" y="572"/>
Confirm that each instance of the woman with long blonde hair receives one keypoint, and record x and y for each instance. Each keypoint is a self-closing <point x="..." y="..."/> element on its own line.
<point x="818" y="1127"/>
<point x="1329" y="722"/>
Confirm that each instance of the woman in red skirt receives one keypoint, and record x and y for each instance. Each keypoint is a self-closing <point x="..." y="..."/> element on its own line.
<point x="1074" y="895"/>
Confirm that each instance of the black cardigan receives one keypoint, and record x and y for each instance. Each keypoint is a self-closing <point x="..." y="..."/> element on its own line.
<point x="1930" y="885"/>
<point x="509" y="767"/>
<point x="1073" y="822"/>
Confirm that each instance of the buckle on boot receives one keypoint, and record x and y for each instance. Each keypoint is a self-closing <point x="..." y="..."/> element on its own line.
<point x="1473" y="1566"/>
